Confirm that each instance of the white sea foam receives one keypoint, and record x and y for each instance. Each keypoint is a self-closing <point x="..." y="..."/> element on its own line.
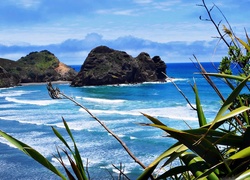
<point x="13" y="93"/>
<point x="37" y="122"/>
<point x="104" y="101"/>
<point x="57" y="163"/>
<point x="6" y="88"/>
<point x="5" y="106"/>
<point x="179" y="79"/>
<point x="103" y="112"/>
<point x="126" y="167"/>
<point x="40" y="141"/>
<point x="79" y="125"/>
<point x="179" y="112"/>
<point x="120" y="135"/>
<point x="32" y="102"/>
<point x="119" y="121"/>
<point x="132" y="137"/>
<point x="30" y="119"/>
<point x="25" y="120"/>
<point x="122" y="85"/>
<point x="167" y="81"/>
<point x="4" y="141"/>
<point x="44" y="145"/>
<point x="158" y="82"/>
<point x="125" y="171"/>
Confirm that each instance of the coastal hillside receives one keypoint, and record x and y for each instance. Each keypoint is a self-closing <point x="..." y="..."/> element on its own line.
<point x="40" y="66"/>
<point x="103" y="66"/>
<point x="7" y="79"/>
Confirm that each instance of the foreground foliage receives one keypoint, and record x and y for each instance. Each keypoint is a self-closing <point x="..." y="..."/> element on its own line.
<point x="221" y="148"/>
<point x="215" y="150"/>
<point x="76" y="162"/>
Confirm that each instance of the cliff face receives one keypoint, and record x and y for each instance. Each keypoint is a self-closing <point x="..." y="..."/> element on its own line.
<point x="7" y="79"/>
<point x="104" y="66"/>
<point x="40" y="66"/>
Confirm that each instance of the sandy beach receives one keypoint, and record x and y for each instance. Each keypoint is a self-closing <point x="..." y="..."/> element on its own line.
<point x="37" y="83"/>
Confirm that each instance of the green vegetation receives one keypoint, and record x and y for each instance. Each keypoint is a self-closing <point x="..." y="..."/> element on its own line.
<point x="236" y="55"/>
<point x="35" y="61"/>
<point x="35" y="67"/>
<point x="41" y="61"/>
<point x="215" y="150"/>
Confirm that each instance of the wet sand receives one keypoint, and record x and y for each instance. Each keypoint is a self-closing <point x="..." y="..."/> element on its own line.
<point x="53" y="82"/>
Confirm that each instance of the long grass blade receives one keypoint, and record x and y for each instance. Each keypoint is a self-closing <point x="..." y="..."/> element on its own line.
<point x="61" y="138"/>
<point x="197" y="165"/>
<point x="60" y="160"/>
<point x="241" y="154"/>
<point x="76" y="153"/>
<point x="200" y="113"/>
<point x="233" y="113"/>
<point x="245" y="114"/>
<point x="245" y="175"/>
<point x="220" y="115"/>
<point x="74" y="167"/>
<point x="205" y="149"/>
<point x="32" y="153"/>
<point x="246" y="139"/>
<point x="218" y="137"/>
<point x="246" y="46"/>
<point x="173" y="172"/>
<point x="230" y="99"/>
<point x="68" y="130"/>
<point x="227" y="76"/>
<point x="150" y="169"/>
<point x="248" y="39"/>
<point x="154" y="120"/>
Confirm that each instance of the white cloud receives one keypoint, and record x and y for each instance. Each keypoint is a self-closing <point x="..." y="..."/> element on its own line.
<point x="37" y="24"/>
<point x="159" y="4"/>
<point x="93" y="37"/>
<point x="126" y="12"/>
<point x="26" y="3"/>
<point x="13" y="56"/>
<point x="143" y="1"/>
<point x="73" y="58"/>
<point x="74" y="51"/>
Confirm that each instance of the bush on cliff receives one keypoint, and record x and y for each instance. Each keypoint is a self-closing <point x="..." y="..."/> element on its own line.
<point x="38" y="67"/>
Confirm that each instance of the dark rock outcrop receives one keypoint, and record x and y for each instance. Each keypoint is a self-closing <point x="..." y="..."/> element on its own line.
<point x="106" y="66"/>
<point x="40" y="66"/>
<point x="7" y="79"/>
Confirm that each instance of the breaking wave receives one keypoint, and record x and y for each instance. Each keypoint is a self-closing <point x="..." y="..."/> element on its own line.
<point x="32" y="102"/>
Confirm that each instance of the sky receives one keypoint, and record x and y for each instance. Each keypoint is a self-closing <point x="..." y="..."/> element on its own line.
<point x="70" y="29"/>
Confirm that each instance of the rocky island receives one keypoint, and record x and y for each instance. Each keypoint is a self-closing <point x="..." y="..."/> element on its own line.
<point x="106" y="66"/>
<point x="103" y="66"/>
<point x="36" y="67"/>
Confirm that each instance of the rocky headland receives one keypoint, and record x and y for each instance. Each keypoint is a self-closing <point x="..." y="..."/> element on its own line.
<point x="36" y="67"/>
<point x="103" y="66"/>
<point x="106" y="66"/>
<point x="7" y="79"/>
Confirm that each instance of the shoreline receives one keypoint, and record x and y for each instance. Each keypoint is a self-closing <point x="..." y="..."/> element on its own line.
<point x="42" y="83"/>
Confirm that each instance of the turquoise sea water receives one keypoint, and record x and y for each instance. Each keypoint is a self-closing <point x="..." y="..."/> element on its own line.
<point x="27" y="113"/>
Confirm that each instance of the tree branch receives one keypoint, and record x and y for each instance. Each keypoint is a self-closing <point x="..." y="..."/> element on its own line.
<point x="55" y="93"/>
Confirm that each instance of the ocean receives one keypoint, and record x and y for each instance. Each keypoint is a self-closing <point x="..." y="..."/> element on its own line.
<point x="28" y="113"/>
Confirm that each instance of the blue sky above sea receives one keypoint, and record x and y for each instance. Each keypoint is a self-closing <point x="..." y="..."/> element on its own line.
<point x="70" y="29"/>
